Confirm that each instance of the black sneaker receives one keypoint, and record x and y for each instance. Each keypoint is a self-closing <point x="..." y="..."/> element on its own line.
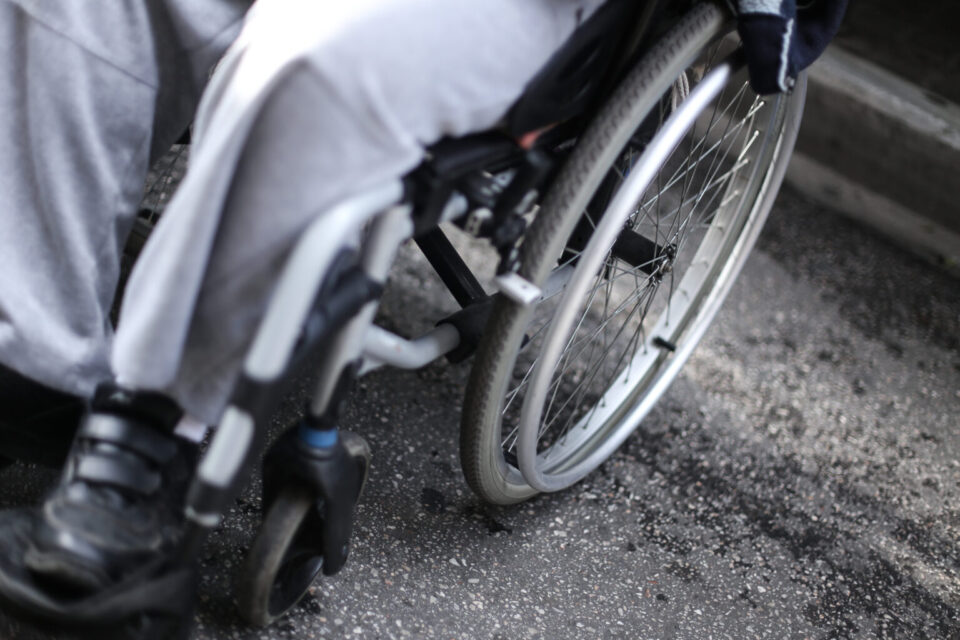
<point x="118" y="506"/>
<point x="37" y="423"/>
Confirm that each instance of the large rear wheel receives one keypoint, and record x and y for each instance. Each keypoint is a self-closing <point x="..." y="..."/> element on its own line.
<point x="558" y="386"/>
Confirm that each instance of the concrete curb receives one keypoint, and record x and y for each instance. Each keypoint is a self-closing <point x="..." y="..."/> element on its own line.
<point x="879" y="149"/>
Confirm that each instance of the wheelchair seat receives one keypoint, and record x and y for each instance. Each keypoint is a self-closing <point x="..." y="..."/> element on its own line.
<point x="577" y="74"/>
<point x="572" y="81"/>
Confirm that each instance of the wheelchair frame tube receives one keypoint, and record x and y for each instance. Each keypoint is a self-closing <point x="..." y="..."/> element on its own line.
<point x="389" y="231"/>
<point x="381" y="347"/>
<point x="304" y="274"/>
<point x="237" y="436"/>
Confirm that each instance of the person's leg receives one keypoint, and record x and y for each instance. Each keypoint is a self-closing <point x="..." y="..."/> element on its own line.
<point x="90" y="88"/>
<point x="93" y="91"/>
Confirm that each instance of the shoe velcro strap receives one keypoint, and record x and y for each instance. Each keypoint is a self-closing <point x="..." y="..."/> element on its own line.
<point x="119" y="472"/>
<point x="126" y="434"/>
<point x="143" y="406"/>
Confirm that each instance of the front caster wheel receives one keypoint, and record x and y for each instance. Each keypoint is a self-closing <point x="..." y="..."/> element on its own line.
<point x="284" y="560"/>
<point x="310" y="493"/>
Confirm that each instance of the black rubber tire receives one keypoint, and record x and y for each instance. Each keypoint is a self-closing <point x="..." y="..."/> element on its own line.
<point x="488" y="472"/>
<point x="271" y="581"/>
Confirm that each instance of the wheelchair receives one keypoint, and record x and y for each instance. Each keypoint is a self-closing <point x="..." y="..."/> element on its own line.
<point x="621" y="196"/>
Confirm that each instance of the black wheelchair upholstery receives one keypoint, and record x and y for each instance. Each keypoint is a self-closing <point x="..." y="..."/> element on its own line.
<point x="575" y="79"/>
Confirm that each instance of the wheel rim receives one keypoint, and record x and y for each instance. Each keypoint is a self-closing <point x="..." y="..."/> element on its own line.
<point x="300" y="567"/>
<point x="567" y="426"/>
<point x="284" y="559"/>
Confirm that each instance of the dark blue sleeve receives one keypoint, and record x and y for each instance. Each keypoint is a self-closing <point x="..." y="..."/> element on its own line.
<point x="781" y="37"/>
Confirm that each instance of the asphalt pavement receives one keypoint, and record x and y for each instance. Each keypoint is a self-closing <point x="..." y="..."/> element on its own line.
<point x="799" y="480"/>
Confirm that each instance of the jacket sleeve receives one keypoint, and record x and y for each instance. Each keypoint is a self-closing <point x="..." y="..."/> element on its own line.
<point x="783" y="37"/>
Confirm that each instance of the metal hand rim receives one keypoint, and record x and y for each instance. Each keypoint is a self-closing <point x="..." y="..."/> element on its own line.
<point x="659" y="149"/>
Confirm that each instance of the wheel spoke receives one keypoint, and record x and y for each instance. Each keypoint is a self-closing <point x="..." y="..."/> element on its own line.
<point x="697" y="153"/>
<point x="628" y="320"/>
<point x="584" y="384"/>
<point x="701" y="165"/>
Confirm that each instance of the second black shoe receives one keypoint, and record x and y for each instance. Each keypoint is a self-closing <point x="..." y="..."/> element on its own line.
<point x="118" y="506"/>
<point x="37" y="423"/>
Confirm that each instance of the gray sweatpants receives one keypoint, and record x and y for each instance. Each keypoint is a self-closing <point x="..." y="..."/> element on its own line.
<point x="87" y="88"/>
<point x="315" y="102"/>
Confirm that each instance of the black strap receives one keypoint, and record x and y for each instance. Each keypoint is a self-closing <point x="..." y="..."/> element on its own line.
<point x="144" y="406"/>
<point x="115" y="469"/>
<point x="127" y="434"/>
